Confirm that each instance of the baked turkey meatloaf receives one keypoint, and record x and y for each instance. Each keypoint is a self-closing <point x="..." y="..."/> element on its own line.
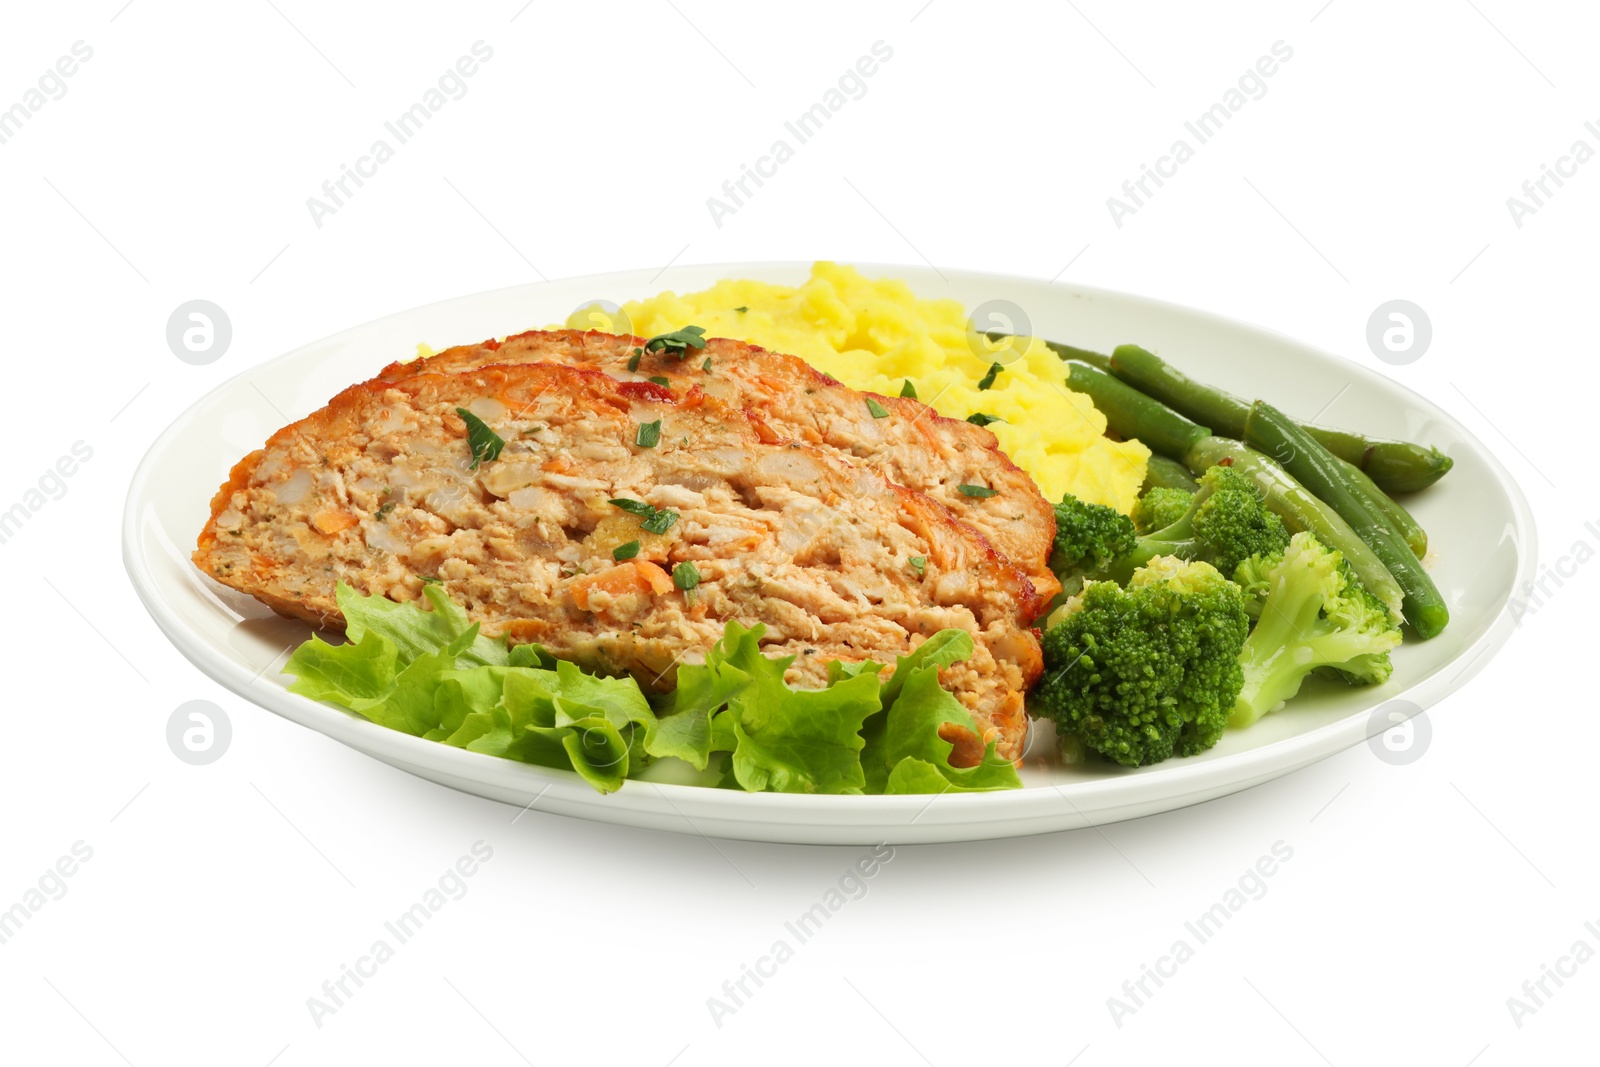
<point x="910" y="444"/>
<point x="381" y="489"/>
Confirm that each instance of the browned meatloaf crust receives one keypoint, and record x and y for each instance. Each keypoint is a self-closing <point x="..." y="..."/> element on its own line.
<point x="911" y="445"/>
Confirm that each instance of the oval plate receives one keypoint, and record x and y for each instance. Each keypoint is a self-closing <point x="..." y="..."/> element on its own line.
<point x="1483" y="549"/>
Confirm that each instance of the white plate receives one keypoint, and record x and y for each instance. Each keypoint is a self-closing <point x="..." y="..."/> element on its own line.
<point x="1483" y="547"/>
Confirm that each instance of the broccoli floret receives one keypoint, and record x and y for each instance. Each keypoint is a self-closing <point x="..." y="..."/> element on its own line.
<point x="1253" y="577"/>
<point x="1161" y="507"/>
<point x="1143" y="673"/>
<point x="1315" y="615"/>
<point x="1226" y="523"/>
<point x="1089" y="538"/>
<point x="1233" y="523"/>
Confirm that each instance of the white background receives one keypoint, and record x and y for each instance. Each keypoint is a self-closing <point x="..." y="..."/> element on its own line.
<point x="219" y="898"/>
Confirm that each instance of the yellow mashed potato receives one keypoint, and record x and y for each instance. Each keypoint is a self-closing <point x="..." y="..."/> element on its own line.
<point x="876" y="334"/>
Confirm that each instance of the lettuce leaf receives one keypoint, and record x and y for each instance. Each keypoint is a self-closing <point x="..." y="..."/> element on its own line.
<point x="795" y="740"/>
<point x="429" y="672"/>
<point x="409" y="705"/>
<point x="859" y="734"/>
<point x="462" y="694"/>
<point x="414" y="631"/>
<point x="781" y="739"/>
<point x="918" y="759"/>
<point x="904" y="752"/>
<point x="343" y="674"/>
<point x="703" y="690"/>
<point x="541" y="718"/>
<point x="940" y="650"/>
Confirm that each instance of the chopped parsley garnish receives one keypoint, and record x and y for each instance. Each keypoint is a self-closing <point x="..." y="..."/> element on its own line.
<point x="741" y="310"/>
<point x="918" y="563"/>
<point x="633" y="360"/>
<point x="633" y="507"/>
<point x="706" y="366"/>
<point x="685" y="576"/>
<point x="659" y="380"/>
<point x="529" y="431"/>
<point x="654" y="520"/>
<point x="383" y="512"/>
<point x="484" y="442"/>
<point x="678" y="342"/>
<point x="426" y="580"/>
<point x="877" y="410"/>
<point x="988" y="379"/>
<point x="649" y="434"/>
<point x="979" y="491"/>
<point x="627" y="551"/>
<point x="660" y="522"/>
<point x="978" y="418"/>
<point x="908" y="390"/>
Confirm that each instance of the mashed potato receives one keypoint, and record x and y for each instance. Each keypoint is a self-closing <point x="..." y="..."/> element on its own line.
<point x="875" y="335"/>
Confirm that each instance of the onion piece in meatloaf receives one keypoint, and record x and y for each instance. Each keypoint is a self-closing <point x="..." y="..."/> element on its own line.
<point x="380" y="489"/>
<point x="908" y="443"/>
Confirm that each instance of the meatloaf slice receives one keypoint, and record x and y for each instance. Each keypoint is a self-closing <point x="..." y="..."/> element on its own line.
<point x="380" y="489"/>
<point x="909" y="443"/>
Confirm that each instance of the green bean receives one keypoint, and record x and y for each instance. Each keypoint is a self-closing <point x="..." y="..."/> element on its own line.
<point x="1415" y="536"/>
<point x="1150" y="374"/>
<point x="1300" y="511"/>
<point x="1097" y="360"/>
<point x="1396" y="466"/>
<point x="1133" y="415"/>
<point x="1167" y="473"/>
<point x="1270" y="431"/>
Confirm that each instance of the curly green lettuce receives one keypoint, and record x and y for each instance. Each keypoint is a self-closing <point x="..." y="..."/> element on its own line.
<point x="428" y="672"/>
